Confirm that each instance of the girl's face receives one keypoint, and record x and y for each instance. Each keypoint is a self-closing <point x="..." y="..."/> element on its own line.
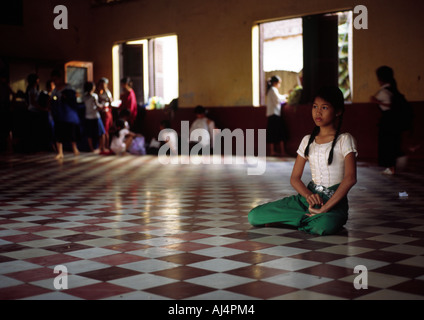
<point x="323" y="113"/>
<point x="277" y="84"/>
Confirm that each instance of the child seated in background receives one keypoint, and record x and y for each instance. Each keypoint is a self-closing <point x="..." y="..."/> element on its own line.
<point x="125" y="116"/>
<point x="203" y="122"/>
<point x="170" y="139"/>
<point x="124" y="140"/>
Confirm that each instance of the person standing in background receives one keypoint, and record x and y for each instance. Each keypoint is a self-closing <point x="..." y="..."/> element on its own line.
<point x="5" y="112"/>
<point x="275" y="129"/>
<point x="391" y="124"/>
<point x="93" y="123"/>
<point x="105" y="99"/>
<point x="63" y="103"/>
<point x="129" y="100"/>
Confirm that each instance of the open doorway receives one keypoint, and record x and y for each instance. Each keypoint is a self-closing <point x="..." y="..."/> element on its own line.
<point x="306" y="53"/>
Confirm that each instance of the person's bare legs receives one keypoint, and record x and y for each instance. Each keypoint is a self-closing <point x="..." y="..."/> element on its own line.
<point x="282" y="149"/>
<point x="90" y="144"/>
<point x="75" y="148"/>
<point x="102" y="141"/>
<point x="274" y="153"/>
<point x="107" y="141"/>
<point x="59" y="147"/>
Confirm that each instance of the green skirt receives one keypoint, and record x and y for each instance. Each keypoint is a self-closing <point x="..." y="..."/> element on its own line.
<point x="292" y="211"/>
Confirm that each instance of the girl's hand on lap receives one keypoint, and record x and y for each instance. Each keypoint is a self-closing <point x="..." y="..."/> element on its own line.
<point x="314" y="211"/>
<point x="314" y="199"/>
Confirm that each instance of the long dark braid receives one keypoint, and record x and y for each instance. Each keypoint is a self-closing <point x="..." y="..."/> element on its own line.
<point x="334" y="96"/>
<point x="330" y="156"/>
<point x="311" y="139"/>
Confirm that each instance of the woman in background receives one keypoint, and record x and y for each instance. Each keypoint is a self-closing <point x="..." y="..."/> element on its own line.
<point x="275" y="129"/>
<point x="105" y="99"/>
<point x="128" y="98"/>
<point x="65" y="115"/>
<point x="390" y="126"/>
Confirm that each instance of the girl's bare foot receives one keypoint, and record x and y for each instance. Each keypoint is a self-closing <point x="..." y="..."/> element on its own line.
<point x="75" y="149"/>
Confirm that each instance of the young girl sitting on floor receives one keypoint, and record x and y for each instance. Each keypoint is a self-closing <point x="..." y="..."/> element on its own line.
<point x="322" y="206"/>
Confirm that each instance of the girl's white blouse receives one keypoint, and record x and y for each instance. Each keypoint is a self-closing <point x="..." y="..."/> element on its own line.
<point x="273" y="102"/>
<point x="322" y="173"/>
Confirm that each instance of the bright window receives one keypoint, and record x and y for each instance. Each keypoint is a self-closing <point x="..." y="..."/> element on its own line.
<point x="152" y="65"/>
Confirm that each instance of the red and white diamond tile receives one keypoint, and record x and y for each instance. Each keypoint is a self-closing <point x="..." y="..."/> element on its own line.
<point x="131" y="228"/>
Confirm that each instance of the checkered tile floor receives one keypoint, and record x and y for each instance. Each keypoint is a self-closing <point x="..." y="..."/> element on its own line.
<point x="131" y="228"/>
